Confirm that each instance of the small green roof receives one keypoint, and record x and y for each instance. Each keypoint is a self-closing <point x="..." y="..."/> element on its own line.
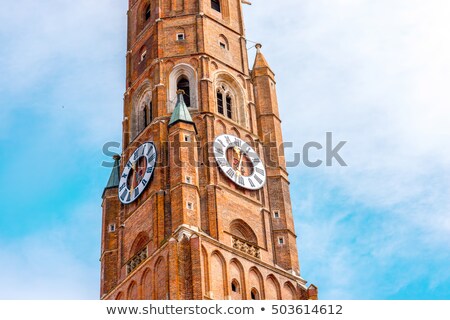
<point x="181" y="112"/>
<point x="114" y="178"/>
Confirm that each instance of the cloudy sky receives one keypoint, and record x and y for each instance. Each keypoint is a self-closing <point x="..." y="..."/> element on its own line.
<point x="374" y="73"/>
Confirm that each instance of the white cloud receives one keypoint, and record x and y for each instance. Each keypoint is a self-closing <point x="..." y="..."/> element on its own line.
<point x="373" y="72"/>
<point x="376" y="74"/>
<point x="53" y="263"/>
<point x="59" y="53"/>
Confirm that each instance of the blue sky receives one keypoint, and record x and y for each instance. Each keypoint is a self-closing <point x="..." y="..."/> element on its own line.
<point x="375" y="73"/>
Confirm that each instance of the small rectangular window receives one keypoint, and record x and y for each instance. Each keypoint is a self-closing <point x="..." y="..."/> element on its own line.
<point x="112" y="228"/>
<point x="276" y="214"/>
<point x="223" y="45"/>
<point x="190" y="206"/>
<point x="181" y="37"/>
<point x="148" y="12"/>
<point x="143" y="55"/>
<point x="215" y="4"/>
<point x="280" y="240"/>
<point x="188" y="180"/>
<point x="187" y="138"/>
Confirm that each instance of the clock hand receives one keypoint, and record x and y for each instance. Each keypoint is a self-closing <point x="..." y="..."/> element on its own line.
<point x="239" y="153"/>
<point x="240" y="163"/>
<point x="133" y="166"/>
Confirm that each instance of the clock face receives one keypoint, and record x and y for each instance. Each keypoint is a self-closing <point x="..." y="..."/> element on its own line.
<point x="137" y="173"/>
<point x="239" y="162"/>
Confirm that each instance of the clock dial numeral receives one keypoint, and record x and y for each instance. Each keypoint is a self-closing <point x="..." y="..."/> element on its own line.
<point x="144" y="182"/>
<point x="122" y="187"/>
<point x="241" y="181"/>
<point x="231" y="173"/>
<point x="258" y="179"/>
<point x="129" y="165"/>
<point x="219" y="151"/>
<point x="150" y="150"/>
<point x="152" y="157"/>
<point x="227" y="138"/>
<point x="221" y="142"/>
<point x="237" y="142"/>
<point x="256" y="161"/>
<point x="222" y="161"/>
<point x="260" y="171"/>
<point x="124" y="195"/>
<point x="251" y="182"/>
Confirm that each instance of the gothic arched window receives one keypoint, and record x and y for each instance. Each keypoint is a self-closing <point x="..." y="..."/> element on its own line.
<point x="142" y="113"/>
<point x="183" y="84"/>
<point x="143" y="15"/>
<point x="215" y="4"/>
<point x="225" y="101"/>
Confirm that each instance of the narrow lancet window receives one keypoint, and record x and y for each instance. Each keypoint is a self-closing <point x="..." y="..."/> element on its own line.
<point x="183" y="84"/>
<point x="220" y="102"/>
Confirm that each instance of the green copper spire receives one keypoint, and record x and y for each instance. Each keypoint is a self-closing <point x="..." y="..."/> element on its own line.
<point x="181" y="112"/>
<point x="114" y="179"/>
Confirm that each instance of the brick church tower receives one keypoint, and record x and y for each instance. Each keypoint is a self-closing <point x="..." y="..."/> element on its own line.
<point x="198" y="204"/>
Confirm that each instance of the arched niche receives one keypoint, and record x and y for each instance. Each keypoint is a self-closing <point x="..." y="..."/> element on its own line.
<point x="206" y="281"/>
<point x="132" y="292"/>
<point x="147" y="285"/>
<point x="273" y="290"/>
<point x="119" y="296"/>
<point x="241" y="229"/>
<point x="220" y="128"/>
<point x="237" y="284"/>
<point x="141" y="240"/>
<point x="288" y="291"/>
<point x="161" y="282"/>
<point x="219" y="285"/>
<point x="255" y="281"/>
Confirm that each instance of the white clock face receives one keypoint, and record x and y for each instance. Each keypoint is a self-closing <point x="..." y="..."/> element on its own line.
<point x="239" y="162"/>
<point x="137" y="173"/>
